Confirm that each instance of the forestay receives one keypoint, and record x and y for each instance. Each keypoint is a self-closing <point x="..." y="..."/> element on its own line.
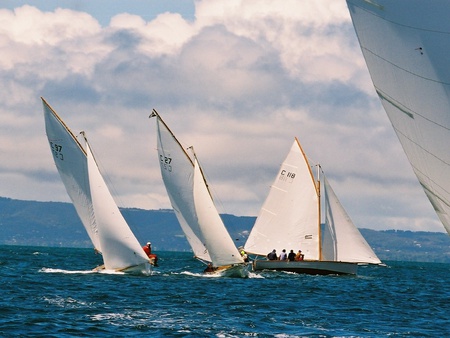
<point x="406" y="46"/>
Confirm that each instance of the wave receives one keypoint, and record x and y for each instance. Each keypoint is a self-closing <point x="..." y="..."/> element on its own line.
<point x="52" y="270"/>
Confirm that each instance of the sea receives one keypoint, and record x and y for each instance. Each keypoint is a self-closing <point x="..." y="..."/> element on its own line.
<point x="53" y="292"/>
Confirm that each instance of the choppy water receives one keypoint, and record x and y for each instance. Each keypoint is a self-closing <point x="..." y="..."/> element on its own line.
<point x="52" y="292"/>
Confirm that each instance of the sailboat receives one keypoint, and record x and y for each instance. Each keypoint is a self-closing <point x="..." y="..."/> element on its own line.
<point x="194" y="207"/>
<point x="105" y="225"/>
<point x="290" y="218"/>
<point x="405" y="46"/>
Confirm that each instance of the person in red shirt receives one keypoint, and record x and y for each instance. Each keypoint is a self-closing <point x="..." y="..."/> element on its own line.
<point x="148" y="250"/>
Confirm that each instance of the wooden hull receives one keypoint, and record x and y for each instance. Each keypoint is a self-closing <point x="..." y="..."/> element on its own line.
<point x="238" y="270"/>
<point x="308" y="267"/>
<point x="141" y="269"/>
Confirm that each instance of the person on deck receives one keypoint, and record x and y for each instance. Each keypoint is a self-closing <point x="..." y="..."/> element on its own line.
<point x="283" y="255"/>
<point x="148" y="250"/>
<point x="272" y="256"/>
<point x="209" y="268"/>
<point x="291" y="256"/>
<point x="244" y="256"/>
<point x="299" y="256"/>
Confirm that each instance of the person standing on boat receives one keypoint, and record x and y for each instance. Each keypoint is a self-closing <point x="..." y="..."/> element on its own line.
<point x="283" y="255"/>
<point x="291" y="256"/>
<point x="272" y="256"/>
<point x="148" y="250"/>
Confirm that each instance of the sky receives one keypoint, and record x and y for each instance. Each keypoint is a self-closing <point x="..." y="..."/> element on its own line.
<point x="236" y="79"/>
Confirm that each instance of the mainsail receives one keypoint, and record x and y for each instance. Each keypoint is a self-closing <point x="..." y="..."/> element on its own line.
<point x="192" y="202"/>
<point x="405" y="45"/>
<point x="291" y="214"/>
<point x="93" y="202"/>
<point x="177" y="170"/>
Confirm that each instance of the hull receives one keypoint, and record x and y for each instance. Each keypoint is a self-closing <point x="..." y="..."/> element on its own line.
<point x="141" y="269"/>
<point x="308" y="267"/>
<point x="237" y="271"/>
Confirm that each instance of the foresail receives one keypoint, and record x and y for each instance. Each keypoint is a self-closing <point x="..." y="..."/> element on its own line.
<point x="220" y="246"/>
<point x="342" y="241"/>
<point x="289" y="217"/>
<point x="177" y="170"/>
<point x="405" y="45"/>
<point x="121" y="249"/>
<point x="70" y="160"/>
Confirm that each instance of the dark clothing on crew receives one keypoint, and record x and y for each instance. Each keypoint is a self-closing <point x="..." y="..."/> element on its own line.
<point x="272" y="256"/>
<point x="291" y="256"/>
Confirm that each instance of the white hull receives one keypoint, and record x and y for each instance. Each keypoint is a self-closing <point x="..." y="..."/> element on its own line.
<point x="308" y="267"/>
<point x="237" y="271"/>
<point x="141" y="269"/>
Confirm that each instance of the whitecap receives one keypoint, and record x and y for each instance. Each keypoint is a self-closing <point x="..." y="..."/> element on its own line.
<point x="52" y="270"/>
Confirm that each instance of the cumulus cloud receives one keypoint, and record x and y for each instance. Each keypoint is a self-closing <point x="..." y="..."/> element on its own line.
<point x="239" y="82"/>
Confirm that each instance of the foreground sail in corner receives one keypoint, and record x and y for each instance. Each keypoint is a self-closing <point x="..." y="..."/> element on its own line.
<point x="105" y="225"/>
<point x="291" y="219"/>
<point x="194" y="207"/>
<point x="405" y="45"/>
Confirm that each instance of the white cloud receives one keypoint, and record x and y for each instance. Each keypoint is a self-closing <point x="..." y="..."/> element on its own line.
<point x="238" y="82"/>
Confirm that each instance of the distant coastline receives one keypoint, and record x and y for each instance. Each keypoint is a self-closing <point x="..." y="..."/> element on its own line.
<point x="56" y="224"/>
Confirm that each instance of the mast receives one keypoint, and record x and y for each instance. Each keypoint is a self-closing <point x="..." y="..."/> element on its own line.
<point x="319" y="232"/>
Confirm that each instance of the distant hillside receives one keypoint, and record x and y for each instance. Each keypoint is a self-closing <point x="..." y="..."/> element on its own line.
<point x="57" y="224"/>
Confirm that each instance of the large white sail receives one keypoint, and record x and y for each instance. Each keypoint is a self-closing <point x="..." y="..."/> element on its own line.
<point x="121" y="249"/>
<point x="405" y="45"/>
<point x="342" y="241"/>
<point x="222" y="249"/>
<point x="70" y="160"/>
<point x="289" y="217"/>
<point x="93" y="202"/>
<point x="177" y="170"/>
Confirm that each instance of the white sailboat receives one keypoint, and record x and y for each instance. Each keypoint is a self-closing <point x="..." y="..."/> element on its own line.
<point x="105" y="225"/>
<point x="291" y="219"/>
<point x="405" y="45"/>
<point x="194" y="207"/>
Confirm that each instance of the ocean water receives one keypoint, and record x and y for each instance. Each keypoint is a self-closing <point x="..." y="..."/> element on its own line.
<point x="52" y="292"/>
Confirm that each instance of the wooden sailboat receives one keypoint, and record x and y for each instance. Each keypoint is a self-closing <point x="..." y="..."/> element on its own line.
<point x="105" y="225"/>
<point x="405" y="45"/>
<point x="194" y="206"/>
<point x="291" y="219"/>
